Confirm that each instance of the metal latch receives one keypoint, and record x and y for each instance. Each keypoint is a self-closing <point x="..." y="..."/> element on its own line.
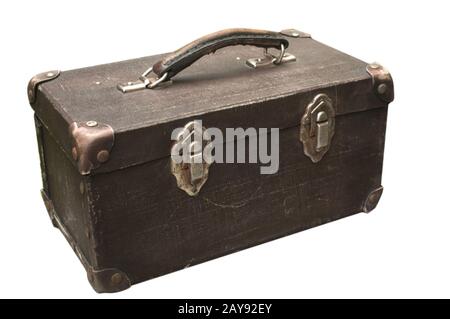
<point x="189" y="164"/>
<point x="317" y="127"/>
<point x="322" y="127"/>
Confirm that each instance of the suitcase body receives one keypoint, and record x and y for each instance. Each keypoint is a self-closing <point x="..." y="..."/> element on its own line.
<point x="131" y="213"/>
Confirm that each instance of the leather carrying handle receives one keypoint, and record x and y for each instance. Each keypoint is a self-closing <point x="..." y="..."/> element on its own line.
<point x="185" y="56"/>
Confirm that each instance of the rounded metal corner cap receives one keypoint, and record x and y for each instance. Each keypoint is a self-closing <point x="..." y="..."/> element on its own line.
<point x="372" y="199"/>
<point x="38" y="79"/>
<point x="108" y="280"/>
<point x="92" y="144"/>
<point x="383" y="85"/>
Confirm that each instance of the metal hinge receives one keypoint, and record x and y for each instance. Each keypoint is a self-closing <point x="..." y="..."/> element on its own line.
<point x="317" y="127"/>
<point x="189" y="164"/>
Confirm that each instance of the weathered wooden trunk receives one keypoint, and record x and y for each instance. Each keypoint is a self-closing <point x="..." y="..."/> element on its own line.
<point x="131" y="214"/>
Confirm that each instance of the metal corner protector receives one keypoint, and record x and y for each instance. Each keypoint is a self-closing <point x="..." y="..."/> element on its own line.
<point x="92" y="144"/>
<point x="37" y="80"/>
<point x="372" y="199"/>
<point x="383" y="85"/>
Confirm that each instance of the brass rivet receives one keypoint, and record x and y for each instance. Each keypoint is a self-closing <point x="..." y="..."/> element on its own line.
<point x="91" y="123"/>
<point x="102" y="156"/>
<point x="374" y="66"/>
<point x="74" y="153"/>
<point x="382" y="88"/>
<point x="82" y="188"/>
<point x="116" y="279"/>
<point x="50" y="74"/>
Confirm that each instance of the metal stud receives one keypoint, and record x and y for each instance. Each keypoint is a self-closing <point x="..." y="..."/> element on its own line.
<point x="91" y="123"/>
<point x="382" y="88"/>
<point x="102" y="156"/>
<point x="295" y="33"/>
<point x="116" y="278"/>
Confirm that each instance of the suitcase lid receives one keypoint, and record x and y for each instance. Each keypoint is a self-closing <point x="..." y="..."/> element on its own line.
<point x="219" y="89"/>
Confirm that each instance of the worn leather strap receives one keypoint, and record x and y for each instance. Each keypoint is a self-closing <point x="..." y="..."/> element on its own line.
<point x="185" y="56"/>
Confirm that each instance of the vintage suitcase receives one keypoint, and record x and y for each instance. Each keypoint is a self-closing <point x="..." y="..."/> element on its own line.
<point x="131" y="212"/>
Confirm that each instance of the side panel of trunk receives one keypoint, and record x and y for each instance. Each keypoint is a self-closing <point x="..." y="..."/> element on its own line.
<point x="66" y="192"/>
<point x="147" y="227"/>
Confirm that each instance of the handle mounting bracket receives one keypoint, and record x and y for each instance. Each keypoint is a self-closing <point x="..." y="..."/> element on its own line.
<point x="144" y="82"/>
<point x="270" y="58"/>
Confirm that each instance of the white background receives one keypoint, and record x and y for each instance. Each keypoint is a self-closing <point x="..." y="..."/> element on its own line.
<point x="399" y="250"/>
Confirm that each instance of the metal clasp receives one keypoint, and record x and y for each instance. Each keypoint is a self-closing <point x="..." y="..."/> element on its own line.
<point x="321" y="126"/>
<point x="192" y="165"/>
<point x="317" y="127"/>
